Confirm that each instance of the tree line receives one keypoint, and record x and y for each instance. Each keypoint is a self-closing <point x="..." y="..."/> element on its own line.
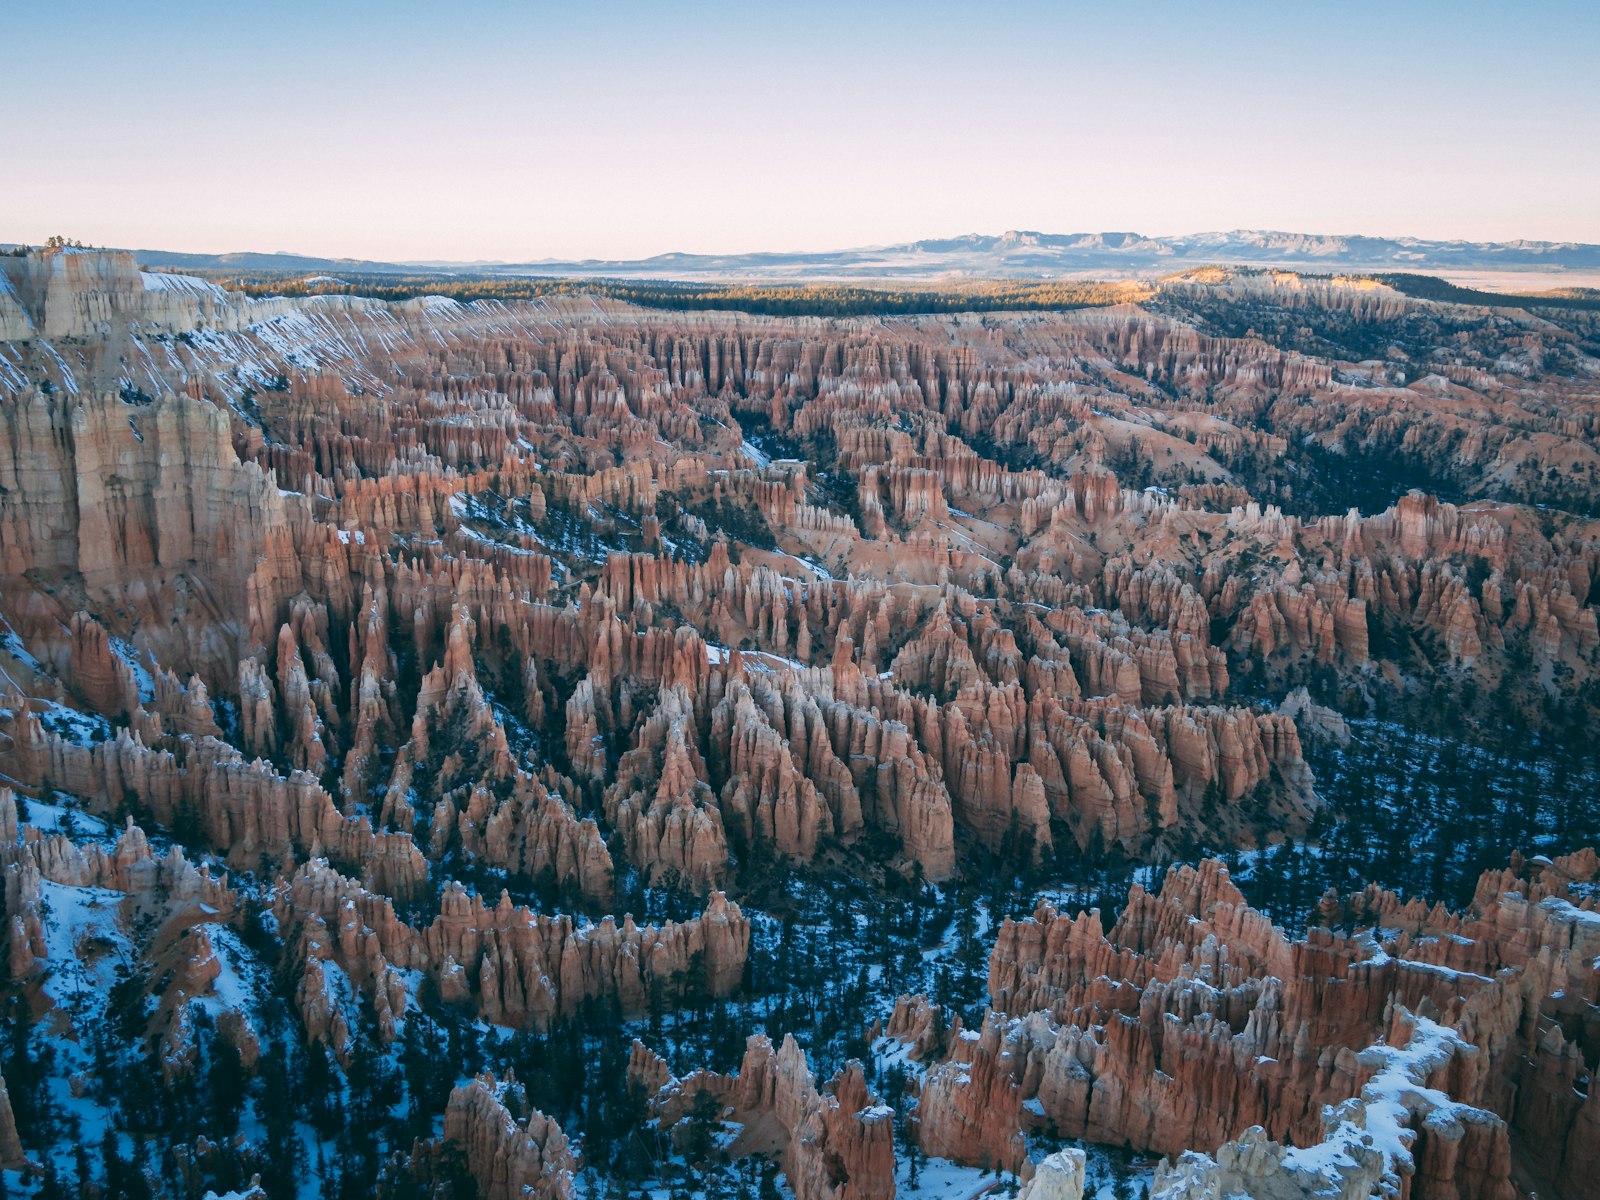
<point x="764" y="299"/>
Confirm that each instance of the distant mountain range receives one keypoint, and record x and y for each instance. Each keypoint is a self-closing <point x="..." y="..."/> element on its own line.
<point x="1015" y="254"/>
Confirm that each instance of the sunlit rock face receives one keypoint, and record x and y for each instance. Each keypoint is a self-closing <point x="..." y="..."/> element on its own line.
<point x="374" y="671"/>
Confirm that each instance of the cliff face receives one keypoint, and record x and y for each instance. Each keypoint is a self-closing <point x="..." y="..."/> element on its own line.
<point x="149" y="505"/>
<point x="75" y="294"/>
<point x="72" y="293"/>
<point x="16" y="324"/>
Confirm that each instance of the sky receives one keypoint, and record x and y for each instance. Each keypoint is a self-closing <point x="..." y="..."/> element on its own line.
<point x="516" y="131"/>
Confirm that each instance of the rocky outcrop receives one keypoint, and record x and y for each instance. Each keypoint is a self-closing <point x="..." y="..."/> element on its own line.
<point x="971" y="1108"/>
<point x="258" y="814"/>
<point x="458" y="769"/>
<point x="1059" y="1176"/>
<point x="515" y="967"/>
<point x="836" y="1144"/>
<point x="1400" y="1132"/>
<point x="508" y="1158"/>
<point x="662" y="802"/>
<point x="12" y="1157"/>
<point x="131" y="867"/>
<point x="1407" y="1043"/>
<point x="69" y="905"/>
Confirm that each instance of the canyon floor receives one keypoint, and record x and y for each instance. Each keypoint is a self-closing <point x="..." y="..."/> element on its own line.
<point x="567" y="748"/>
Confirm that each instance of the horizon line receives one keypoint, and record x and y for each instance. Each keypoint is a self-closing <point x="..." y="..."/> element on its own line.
<point x="423" y="260"/>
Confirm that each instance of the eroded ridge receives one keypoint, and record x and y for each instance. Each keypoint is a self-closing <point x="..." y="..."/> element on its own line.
<point x="393" y="692"/>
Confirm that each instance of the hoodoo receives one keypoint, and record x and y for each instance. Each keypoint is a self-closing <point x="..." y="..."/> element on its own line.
<point x="478" y="745"/>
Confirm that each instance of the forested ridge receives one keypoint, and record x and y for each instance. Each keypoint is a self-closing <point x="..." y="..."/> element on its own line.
<point x="778" y="300"/>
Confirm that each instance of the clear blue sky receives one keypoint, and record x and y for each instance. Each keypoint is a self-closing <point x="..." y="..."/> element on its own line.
<point x="468" y="129"/>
